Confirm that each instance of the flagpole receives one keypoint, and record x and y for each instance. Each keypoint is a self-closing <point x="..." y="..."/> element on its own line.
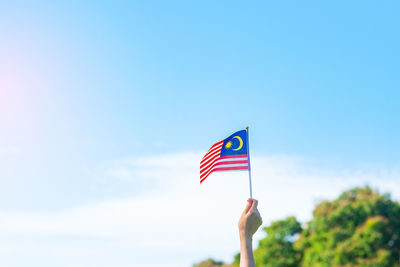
<point x="248" y="156"/>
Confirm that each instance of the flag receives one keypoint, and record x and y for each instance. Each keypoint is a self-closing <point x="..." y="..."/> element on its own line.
<point x="230" y="154"/>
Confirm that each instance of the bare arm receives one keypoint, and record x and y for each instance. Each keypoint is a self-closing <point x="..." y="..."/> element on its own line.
<point x="248" y="225"/>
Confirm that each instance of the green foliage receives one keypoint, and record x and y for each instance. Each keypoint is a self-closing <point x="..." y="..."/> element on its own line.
<point x="359" y="228"/>
<point x="211" y="263"/>
<point x="236" y="260"/>
<point x="277" y="249"/>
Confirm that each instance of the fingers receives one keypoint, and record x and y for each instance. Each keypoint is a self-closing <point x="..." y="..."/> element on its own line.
<point x="251" y="206"/>
<point x="248" y="206"/>
<point x="254" y="205"/>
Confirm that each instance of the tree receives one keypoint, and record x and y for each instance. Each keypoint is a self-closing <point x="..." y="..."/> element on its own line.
<point x="276" y="249"/>
<point x="360" y="228"/>
<point x="211" y="263"/>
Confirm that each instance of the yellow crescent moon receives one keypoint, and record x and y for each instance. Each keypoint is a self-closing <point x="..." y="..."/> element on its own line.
<point x="240" y="140"/>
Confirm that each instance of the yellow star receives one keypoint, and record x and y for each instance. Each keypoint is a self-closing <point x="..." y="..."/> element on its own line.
<point x="228" y="144"/>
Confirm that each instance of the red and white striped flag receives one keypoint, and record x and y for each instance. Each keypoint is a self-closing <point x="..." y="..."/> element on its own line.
<point x="230" y="154"/>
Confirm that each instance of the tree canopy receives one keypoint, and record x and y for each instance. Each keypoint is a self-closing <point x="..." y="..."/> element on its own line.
<point x="211" y="263"/>
<point x="359" y="228"/>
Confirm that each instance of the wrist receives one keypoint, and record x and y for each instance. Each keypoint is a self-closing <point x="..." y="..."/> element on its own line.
<point x="246" y="245"/>
<point x="245" y="237"/>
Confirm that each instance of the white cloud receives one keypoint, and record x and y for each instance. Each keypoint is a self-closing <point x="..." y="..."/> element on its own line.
<point x="176" y="221"/>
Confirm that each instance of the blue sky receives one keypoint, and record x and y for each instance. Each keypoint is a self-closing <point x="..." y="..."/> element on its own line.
<point x="86" y="86"/>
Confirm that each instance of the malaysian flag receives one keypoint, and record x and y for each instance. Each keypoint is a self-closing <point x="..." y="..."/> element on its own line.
<point x="230" y="154"/>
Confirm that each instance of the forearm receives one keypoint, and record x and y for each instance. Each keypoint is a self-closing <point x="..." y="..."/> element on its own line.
<point x="246" y="252"/>
<point x="248" y="225"/>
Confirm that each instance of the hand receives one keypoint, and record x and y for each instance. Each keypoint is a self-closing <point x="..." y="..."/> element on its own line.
<point x="250" y="220"/>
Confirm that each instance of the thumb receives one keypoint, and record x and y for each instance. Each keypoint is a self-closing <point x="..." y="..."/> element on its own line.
<point x="248" y="206"/>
